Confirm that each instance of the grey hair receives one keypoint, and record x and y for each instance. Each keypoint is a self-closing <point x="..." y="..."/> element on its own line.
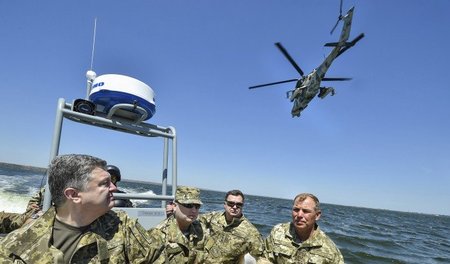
<point x="302" y="196"/>
<point x="71" y="171"/>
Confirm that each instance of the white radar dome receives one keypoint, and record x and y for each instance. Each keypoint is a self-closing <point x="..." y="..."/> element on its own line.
<point x="110" y="90"/>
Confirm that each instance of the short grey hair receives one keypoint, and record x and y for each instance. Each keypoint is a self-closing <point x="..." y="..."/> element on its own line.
<point x="302" y="196"/>
<point x="71" y="171"/>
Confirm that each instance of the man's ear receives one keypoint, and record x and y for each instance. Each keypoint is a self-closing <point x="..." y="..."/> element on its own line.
<point x="72" y="194"/>
<point x="318" y="214"/>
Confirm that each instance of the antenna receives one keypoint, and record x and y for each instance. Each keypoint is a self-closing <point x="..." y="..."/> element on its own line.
<point x="93" y="43"/>
<point x="90" y="74"/>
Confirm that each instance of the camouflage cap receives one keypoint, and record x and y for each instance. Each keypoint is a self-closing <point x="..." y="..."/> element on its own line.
<point x="188" y="195"/>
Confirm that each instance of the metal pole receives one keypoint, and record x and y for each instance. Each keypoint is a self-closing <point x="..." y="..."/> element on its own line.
<point x="164" y="170"/>
<point x="54" y="149"/>
<point x="174" y="160"/>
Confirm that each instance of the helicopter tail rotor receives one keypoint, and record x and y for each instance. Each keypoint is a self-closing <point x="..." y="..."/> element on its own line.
<point x="340" y="17"/>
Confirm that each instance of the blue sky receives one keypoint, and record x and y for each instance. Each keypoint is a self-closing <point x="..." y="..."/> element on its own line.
<point x="380" y="142"/>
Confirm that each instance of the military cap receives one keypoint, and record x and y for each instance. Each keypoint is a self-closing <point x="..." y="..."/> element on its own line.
<point x="188" y="195"/>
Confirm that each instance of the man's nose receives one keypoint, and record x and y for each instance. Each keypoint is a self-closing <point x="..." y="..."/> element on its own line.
<point x="112" y="187"/>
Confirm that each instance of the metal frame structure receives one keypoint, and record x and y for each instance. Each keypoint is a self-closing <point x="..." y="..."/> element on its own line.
<point x="65" y="110"/>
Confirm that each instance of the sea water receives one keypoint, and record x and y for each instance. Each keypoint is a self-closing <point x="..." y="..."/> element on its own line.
<point x="363" y="235"/>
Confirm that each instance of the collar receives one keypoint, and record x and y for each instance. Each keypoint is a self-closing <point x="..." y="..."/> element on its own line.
<point x="234" y="222"/>
<point x="309" y="243"/>
<point x="38" y="236"/>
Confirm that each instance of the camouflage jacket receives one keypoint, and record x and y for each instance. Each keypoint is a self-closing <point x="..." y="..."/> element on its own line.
<point x="179" y="247"/>
<point x="11" y="221"/>
<point x="112" y="238"/>
<point x="228" y="243"/>
<point x="281" y="247"/>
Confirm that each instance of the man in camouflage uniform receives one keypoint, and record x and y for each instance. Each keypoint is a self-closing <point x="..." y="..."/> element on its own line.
<point x="81" y="228"/>
<point x="183" y="235"/>
<point x="231" y="234"/>
<point x="301" y="241"/>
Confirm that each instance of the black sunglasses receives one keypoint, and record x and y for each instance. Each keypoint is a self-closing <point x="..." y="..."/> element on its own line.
<point x="232" y="204"/>
<point x="191" y="205"/>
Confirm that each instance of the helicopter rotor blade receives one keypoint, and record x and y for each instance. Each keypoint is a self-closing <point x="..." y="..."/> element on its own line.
<point x="336" y="79"/>
<point x="290" y="59"/>
<point x="335" y="25"/>
<point x="267" y="84"/>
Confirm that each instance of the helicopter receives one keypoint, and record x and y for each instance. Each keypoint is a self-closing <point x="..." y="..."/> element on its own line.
<point x="307" y="87"/>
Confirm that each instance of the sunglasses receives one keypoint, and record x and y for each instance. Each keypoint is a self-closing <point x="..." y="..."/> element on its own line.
<point x="114" y="179"/>
<point x="232" y="204"/>
<point x="190" y="206"/>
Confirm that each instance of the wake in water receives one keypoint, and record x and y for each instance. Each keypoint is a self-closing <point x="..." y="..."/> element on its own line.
<point x="16" y="190"/>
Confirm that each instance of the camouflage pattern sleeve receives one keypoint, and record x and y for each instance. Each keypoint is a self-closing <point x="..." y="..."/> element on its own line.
<point x="179" y="247"/>
<point x="11" y="221"/>
<point x="157" y="237"/>
<point x="4" y="256"/>
<point x="257" y="245"/>
<point x="268" y="248"/>
<point x="255" y="240"/>
<point x="143" y="246"/>
<point x="28" y="244"/>
<point x="329" y="249"/>
<point x="206" y="218"/>
<point x="36" y="201"/>
<point x="263" y="260"/>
